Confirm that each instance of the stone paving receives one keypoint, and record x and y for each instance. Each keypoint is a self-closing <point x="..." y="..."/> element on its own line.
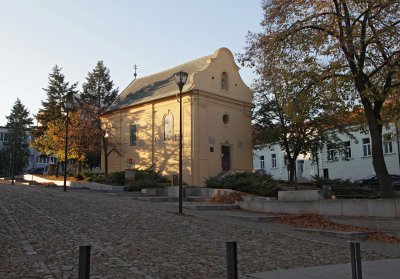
<point x="41" y="229"/>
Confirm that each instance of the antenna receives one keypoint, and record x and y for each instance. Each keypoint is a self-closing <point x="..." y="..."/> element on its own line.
<point x="135" y="67"/>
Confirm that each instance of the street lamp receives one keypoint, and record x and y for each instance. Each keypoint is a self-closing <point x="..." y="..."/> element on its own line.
<point x="67" y="106"/>
<point x="16" y="123"/>
<point x="180" y="79"/>
<point x="105" y="147"/>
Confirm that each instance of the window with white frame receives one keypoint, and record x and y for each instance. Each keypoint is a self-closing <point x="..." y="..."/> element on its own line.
<point x="262" y="162"/>
<point x="347" y="150"/>
<point x="387" y="144"/>
<point x="273" y="160"/>
<point x="366" y="142"/>
<point x="330" y="152"/>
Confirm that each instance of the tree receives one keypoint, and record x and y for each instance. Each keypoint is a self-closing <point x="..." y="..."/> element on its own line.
<point x="58" y="92"/>
<point x="17" y="145"/>
<point x="82" y="136"/>
<point x="352" y="42"/>
<point x="98" y="91"/>
<point x="300" y="119"/>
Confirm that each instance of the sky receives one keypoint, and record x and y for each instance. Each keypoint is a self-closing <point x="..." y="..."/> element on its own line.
<point x="155" y="35"/>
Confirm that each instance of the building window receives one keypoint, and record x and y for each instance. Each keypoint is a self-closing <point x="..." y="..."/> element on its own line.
<point x="1" y="136"/>
<point x="4" y="137"/>
<point x="387" y="144"/>
<point x="225" y="119"/>
<point x="347" y="150"/>
<point x="366" y="147"/>
<point x="262" y="162"/>
<point x="330" y="152"/>
<point x="273" y="160"/>
<point x="168" y="122"/>
<point x="133" y="135"/>
<point x="314" y="157"/>
<point x="224" y="81"/>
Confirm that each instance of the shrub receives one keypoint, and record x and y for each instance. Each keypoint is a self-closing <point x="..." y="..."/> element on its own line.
<point x="93" y="176"/>
<point x="78" y="176"/>
<point x="150" y="174"/>
<point x="344" y="187"/>
<point x="252" y="183"/>
<point x="117" y="177"/>
<point x="138" y="185"/>
<point x="321" y="181"/>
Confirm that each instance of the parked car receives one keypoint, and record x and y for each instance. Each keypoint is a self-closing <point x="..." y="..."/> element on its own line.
<point x="35" y="171"/>
<point x="373" y="182"/>
<point x="262" y="171"/>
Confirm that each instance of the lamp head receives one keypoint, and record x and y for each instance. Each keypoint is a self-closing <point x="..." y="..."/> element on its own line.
<point x="180" y="79"/>
<point x="68" y="105"/>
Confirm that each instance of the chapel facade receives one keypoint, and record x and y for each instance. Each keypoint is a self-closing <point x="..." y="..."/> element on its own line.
<point x="216" y="121"/>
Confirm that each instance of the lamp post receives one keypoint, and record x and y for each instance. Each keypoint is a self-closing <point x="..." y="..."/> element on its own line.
<point x="67" y="108"/>
<point x="105" y="147"/>
<point x="16" y="123"/>
<point x="180" y="79"/>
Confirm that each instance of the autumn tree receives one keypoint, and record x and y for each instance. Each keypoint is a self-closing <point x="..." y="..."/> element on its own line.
<point x="300" y="119"/>
<point x="16" y="147"/>
<point x="353" y="43"/>
<point x="58" y="91"/>
<point x="99" y="92"/>
<point x="83" y="136"/>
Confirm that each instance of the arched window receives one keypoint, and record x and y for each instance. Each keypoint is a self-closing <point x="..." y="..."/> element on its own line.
<point x="133" y="134"/>
<point x="168" y="123"/>
<point x="224" y="81"/>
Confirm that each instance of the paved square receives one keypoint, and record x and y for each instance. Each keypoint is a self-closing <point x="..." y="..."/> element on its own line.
<point x="41" y="230"/>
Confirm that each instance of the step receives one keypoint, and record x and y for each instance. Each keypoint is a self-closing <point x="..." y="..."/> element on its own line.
<point x="157" y="199"/>
<point x="211" y="206"/>
<point x="339" y="234"/>
<point x="254" y="218"/>
<point x="197" y="199"/>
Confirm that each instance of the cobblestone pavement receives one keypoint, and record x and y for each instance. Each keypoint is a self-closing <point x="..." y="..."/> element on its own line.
<point x="41" y="229"/>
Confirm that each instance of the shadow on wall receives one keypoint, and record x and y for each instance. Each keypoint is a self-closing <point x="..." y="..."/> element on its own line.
<point x="166" y="151"/>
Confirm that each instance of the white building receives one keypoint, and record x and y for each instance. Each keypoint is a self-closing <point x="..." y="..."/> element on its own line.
<point x="36" y="159"/>
<point x="353" y="163"/>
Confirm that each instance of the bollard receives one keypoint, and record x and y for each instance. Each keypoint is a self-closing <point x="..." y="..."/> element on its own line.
<point x="231" y="260"/>
<point x="84" y="262"/>
<point x="355" y="260"/>
<point x="327" y="192"/>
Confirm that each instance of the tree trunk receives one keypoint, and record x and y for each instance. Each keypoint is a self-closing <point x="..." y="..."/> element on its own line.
<point x="378" y="160"/>
<point x="292" y="173"/>
<point x="57" y="168"/>
<point x="79" y="166"/>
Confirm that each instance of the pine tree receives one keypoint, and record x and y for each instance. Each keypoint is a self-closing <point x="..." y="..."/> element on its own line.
<point x="18" y="124"/>
<point x="58" y="91"/>
<point x="98" y="89"/>
<point x="98" y="92"/>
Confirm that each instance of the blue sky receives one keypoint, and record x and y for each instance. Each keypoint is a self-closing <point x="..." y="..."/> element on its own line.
<point x="155" y="35"/>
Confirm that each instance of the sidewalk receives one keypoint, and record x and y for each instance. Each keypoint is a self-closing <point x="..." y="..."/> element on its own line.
<point x="388" y="269"/>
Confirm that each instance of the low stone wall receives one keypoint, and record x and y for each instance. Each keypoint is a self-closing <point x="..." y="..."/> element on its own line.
<point x="89" y="185"/>
<point x="303" y="195"/>
<point x="173" y="192"/>
<point x="367" y="208"/>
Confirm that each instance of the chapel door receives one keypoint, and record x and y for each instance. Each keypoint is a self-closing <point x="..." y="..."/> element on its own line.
<point x="226" y="157"/>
